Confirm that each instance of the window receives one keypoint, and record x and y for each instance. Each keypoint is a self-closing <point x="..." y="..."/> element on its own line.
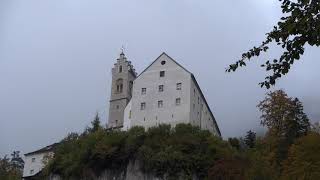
<point x="143" y="106"/>
<point x="130" y="86"/>
<point x="31" y="171"/>
<point x="162" y="73"/>
<point x="33" y="159"/>
<point x="179" y="86"/>
<point x="194" y="106"/>
<point x="161" y="88"/>
<point x="178" y="101"/>
<point x="163" y="62"/>
<point x="143" y="91"/>
<point x="130" y="113"/>
<point x="194" y="92"/>
<point x="120" y="69"/>
<point x="119" y="84"/>
<point x="198" y="100"/>
<point x="160" y="104"/>
<point x="118" y="106"/>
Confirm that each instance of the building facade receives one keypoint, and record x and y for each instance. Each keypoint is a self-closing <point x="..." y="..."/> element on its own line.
<point x="36" y="161"/>
<point x="123" y="75"/>
<point x="166" y="93"/>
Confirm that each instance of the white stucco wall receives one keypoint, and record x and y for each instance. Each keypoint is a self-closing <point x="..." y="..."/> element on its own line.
<point x="35" y="166"/>
<point x="193" y="108"/>
<point x="200" y="113"/>
<point x="127" y="117"/>
<point x="150" y="79"/>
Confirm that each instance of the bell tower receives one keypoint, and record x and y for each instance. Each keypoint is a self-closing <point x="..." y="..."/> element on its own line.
<point x="123" y="75"/>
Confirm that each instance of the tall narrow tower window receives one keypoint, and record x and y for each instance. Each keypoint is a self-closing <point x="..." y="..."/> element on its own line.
<point x="119" y="85"/>
<point x="120" y="69"/>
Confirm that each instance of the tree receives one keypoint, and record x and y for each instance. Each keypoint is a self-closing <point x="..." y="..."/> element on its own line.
<point x="250" y="139"/>
<point x="11" y="169"/>
<point x="304" y="159"/>
<point x="234" y="142"/>
<point x="299" y="26"/>
<point x="283" y="115"/>
<point x="16" y="161"/>
<point x="226" y="169"/>
<point x="95" y="123"/>
<point x="286" y="122"/>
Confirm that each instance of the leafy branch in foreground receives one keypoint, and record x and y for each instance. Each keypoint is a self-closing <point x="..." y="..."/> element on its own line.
<point x="299" y="26"/>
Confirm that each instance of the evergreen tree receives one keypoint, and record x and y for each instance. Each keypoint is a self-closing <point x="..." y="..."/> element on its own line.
<point x="250" y="139"/>
<point x="16" y="161"/>
<point x="96" y="125"/>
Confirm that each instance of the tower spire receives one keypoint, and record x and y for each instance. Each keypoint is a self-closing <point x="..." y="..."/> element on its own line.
<point x="122" y="52"/>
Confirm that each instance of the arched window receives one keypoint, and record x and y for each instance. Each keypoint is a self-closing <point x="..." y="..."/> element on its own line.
<point x="120" y="69"/>
<point x="119" y="85"/>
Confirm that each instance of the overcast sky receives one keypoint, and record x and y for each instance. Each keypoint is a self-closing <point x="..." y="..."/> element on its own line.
<point x="56" y="57"/>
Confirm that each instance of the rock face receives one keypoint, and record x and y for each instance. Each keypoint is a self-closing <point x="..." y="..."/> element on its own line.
<point x="132" y="172"/>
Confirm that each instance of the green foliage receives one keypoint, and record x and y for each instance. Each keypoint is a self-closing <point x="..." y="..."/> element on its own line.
<point x="284" y="116"/>
<point x="234" y="142"/>
<point x="299" y="26"/>
<point x="164" y="151"/>
<point x="11" y="169"/>
<point x="304" y="159"/>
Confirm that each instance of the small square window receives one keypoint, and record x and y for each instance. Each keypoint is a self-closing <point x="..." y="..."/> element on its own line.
<point x="160" y="104"/>
<point x="161" y="88"/>
<point x="143" y="91"/>
<point x="31" y="171"/>
<point x="143" y="106"/>
<point x="178" y="101"/>
<point x="162" y="73"/>
<point x="33" y="160"/>
<point x="179" y="85"/>
<point x="118" y="106"/>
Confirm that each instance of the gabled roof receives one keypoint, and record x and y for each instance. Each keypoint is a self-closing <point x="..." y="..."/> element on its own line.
<point x="195" y="82"/>
<point x="45" y="149"/>
<point x="164" y="54"/>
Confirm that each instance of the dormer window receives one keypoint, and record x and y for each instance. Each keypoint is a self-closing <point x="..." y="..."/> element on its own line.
<point x="120" y="69"/>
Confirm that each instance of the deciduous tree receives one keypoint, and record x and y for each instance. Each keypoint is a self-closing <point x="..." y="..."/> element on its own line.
<point x="299" y="26"/>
